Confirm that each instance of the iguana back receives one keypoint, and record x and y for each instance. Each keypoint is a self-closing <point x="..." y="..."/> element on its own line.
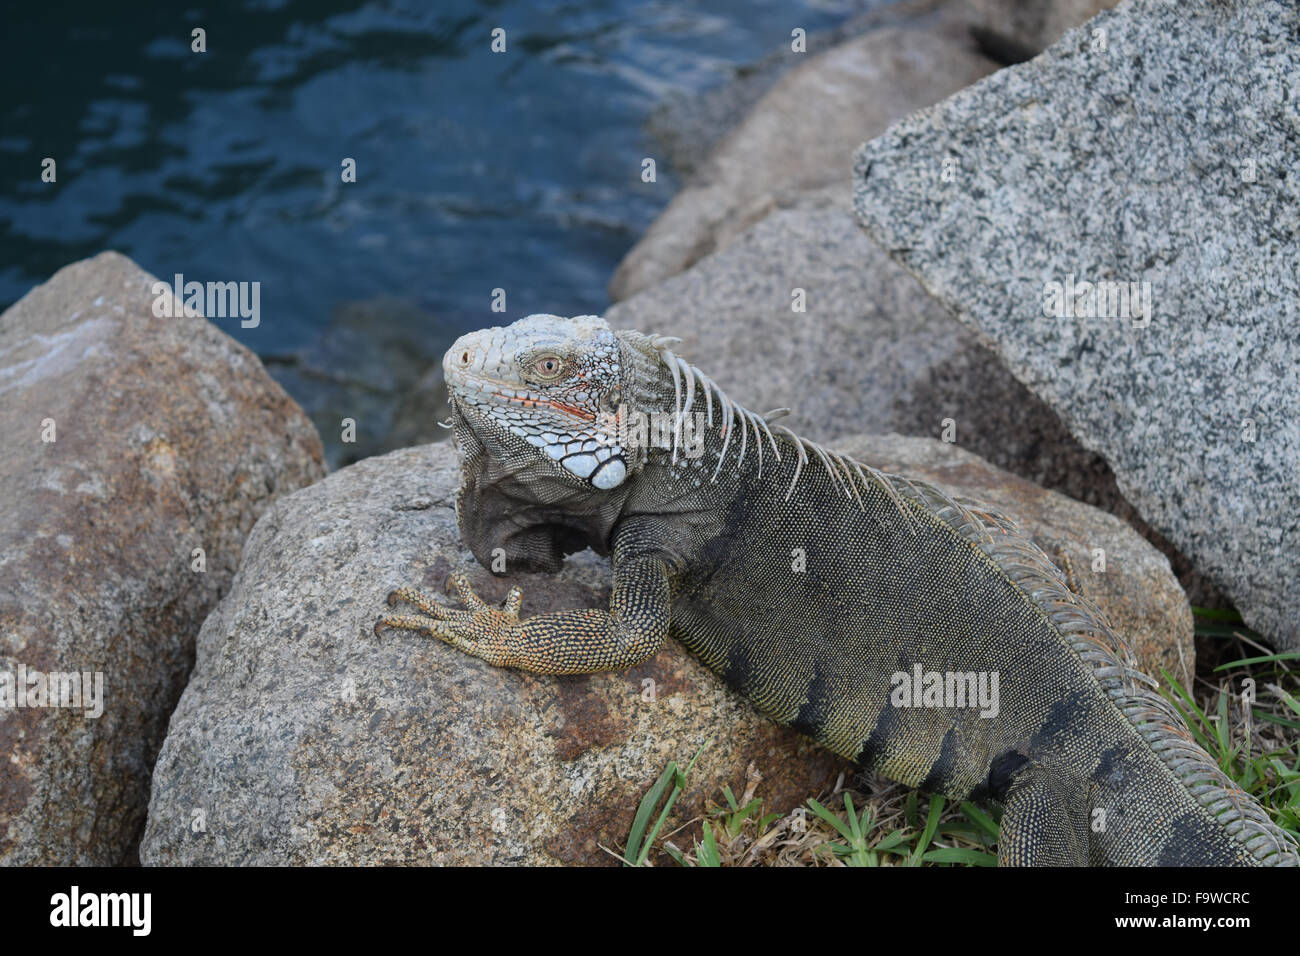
<point x="923" y="637"/>
<point x="1075" y="740"/>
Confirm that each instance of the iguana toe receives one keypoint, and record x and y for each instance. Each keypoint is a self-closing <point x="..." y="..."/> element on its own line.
<point x="478" y="629"/>
<point x="428" y="605"/>
<point x="459" y="583"/>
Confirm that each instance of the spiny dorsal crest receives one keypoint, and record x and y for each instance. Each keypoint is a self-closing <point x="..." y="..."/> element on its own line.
<point x="556" y="383"/>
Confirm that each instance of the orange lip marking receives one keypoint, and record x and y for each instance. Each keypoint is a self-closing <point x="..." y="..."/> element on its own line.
<point x="575" y="412"/>
<point x="558" y="406"/>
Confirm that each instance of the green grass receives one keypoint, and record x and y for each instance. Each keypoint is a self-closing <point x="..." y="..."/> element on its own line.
<point x="639" y="843"/>
<point x="815" y="835"/>
<point x="1254" y="739"/>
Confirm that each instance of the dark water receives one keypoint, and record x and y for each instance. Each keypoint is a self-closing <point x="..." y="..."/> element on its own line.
<point x="476" y="170"/>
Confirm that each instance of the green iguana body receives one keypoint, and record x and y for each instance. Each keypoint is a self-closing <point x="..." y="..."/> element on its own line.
<point x="811" y="582"/>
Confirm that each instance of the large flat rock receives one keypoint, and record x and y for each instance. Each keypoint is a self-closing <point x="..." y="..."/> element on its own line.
<point x="304" y="738"/>
<point x="1164" y="154"/>
<point x="168" y="436"/>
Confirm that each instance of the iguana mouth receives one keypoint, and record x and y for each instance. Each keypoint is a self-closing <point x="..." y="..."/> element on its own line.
<point x="570" y="436"/>
<point x="492" y="393"/>
<point x="531" y="402"/>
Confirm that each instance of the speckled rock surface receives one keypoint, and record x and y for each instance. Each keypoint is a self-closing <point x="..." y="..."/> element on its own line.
<point x="1134" y="586"/>
<point x="304" y="738"/>
<point x="800" y="136"/>
<point x="168" y="436"/>
<point x="873" y="353"/>
<point x="687" y="126"/>
<point x="1167" y="158"/>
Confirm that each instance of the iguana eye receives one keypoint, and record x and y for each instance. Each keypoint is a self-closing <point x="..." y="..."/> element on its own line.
<point x="548" y="366"/>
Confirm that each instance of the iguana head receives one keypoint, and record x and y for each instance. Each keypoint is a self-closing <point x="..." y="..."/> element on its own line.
<point x="535" y="409"/>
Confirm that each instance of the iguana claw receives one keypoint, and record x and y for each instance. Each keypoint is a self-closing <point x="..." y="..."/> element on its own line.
<point x="479" y="628"/>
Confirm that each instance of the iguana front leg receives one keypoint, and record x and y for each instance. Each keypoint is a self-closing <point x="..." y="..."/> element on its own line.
<point x="563" y="642"/>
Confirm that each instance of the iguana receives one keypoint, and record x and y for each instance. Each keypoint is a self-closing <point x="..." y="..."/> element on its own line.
<point x="821" y="589"/>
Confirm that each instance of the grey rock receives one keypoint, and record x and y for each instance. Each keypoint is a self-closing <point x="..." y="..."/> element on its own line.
<point x="1014" y="30"/>
<point x="1167" y="158"/>
<point x="799" y="137"/>
<point x="873" y="352"/>
<point x="168" y="436"/>
<point x="304" y="738"/>
<point x="687" y="126"/>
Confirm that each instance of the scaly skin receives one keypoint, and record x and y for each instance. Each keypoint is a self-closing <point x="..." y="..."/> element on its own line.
<point x="812" y="584"/>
